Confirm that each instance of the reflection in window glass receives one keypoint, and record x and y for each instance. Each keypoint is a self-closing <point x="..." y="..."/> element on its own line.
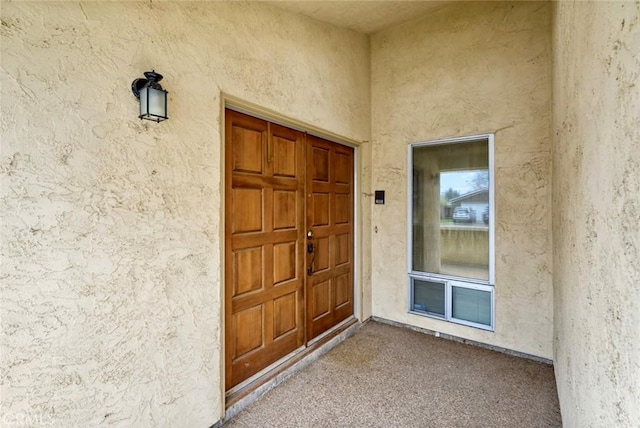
<point x="451" y="209"/>
<point x="471" y="305"/>
<point x="429" y="297"/>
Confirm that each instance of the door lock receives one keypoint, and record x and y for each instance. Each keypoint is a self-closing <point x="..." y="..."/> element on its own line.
<point x="311" y="249"/>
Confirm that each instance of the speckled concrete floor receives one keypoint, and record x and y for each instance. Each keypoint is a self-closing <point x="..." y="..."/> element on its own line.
<point x="386" y="376"/>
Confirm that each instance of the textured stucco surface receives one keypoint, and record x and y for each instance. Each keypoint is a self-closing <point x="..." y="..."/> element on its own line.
<point x="596" y="200"/>
<point x="111" y="226"/>
<point x="470" y="68"/>
<point x="363" y="16"/>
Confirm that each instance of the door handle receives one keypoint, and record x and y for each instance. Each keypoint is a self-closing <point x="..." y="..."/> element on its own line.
<point x="311" y="249"/>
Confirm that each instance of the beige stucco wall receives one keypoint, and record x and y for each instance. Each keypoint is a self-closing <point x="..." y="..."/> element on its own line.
<point x="111" y="265"/>
<point x="596" y="197"/>
<point x="470" y="68"/>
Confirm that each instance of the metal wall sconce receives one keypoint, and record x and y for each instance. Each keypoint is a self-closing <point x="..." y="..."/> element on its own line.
<point x="153" y="99"/>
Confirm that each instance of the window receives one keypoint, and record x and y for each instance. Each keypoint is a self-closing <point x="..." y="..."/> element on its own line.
<point x="451" y="268"/>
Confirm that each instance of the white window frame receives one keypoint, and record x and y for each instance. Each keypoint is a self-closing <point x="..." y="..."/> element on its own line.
<point x="450" y="280"/>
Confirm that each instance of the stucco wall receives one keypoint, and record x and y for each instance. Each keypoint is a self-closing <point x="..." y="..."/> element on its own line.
<point x="470" y="68"/>
<point x="596" y="197"/>
<point x="111" y="226"/>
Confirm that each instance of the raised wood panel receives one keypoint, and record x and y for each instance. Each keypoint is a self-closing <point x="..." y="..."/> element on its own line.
<point x="343" y="209"/>
<point x="249" y="332"/>
<point x="284" y="157"/>
<point x="247" y="270"/>
<point x="320" y="209"/>
<point x="342" y="248"/>
<point x="320" y="169"/>
<point x="247" y="215"/>
<point x="284" y="209"/>
<point x="343" y="172"/>
<point x="284" y="262"/>
<point x="343" y="290"/>
<point x="321" y="299"/>
<point x="247" y="150"/>
<point x="322" y="255"/>
<point x="285" y="311"/>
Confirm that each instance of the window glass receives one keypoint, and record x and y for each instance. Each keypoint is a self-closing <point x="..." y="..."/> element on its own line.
<point x="471" y="305"/>
<point x="451" y="207"/>
<point x="429" y="297"/>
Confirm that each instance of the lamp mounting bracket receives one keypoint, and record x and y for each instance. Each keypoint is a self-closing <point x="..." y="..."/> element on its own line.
<point x="152" y="79"/>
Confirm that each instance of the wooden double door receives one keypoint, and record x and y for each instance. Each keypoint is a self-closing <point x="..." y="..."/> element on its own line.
<point x="288" y="241"/>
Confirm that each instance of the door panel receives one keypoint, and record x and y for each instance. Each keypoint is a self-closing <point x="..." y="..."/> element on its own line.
<point x="330" y="221"/>
<point x="264" y="244"/>
<point x="247" y="270"/>
<point x="248" y="205"/>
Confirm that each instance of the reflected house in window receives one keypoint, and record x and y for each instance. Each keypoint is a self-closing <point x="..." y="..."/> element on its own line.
<point x="476" y="201"/>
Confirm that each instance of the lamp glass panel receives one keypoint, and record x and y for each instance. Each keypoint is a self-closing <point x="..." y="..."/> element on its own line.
<point x="157" y="102"/>
<point x="143" y="101"/>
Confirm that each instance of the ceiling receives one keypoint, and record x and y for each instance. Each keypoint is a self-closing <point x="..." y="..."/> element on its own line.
<point x="362" y="16"/>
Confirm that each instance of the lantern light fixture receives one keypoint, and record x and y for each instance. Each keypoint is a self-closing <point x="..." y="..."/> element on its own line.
<point x="153" y="99"/>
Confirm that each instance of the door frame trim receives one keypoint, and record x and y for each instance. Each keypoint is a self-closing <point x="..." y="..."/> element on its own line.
<point x="232" y="102"/>
<point x="238" y="104"/>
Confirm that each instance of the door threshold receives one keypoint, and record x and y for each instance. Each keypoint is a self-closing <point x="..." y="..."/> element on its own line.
<point x="331" y="332"/>
<point x="264" y="372"/>
<point x="336" y="328"/>
<point x="253" y="388"/>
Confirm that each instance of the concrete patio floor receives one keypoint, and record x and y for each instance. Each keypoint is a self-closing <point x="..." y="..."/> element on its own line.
<point x="387" y="376"/>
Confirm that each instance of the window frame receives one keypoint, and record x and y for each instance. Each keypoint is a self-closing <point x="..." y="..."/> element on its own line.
<point x="451" y="280"/>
